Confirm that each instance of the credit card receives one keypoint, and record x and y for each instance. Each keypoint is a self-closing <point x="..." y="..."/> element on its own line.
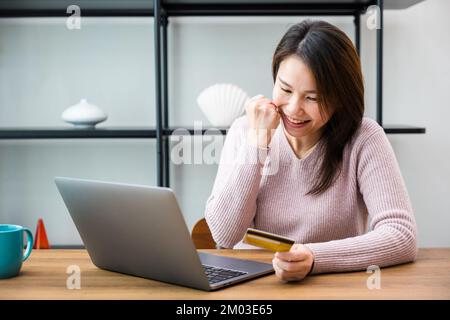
<point x="267" y="240"/>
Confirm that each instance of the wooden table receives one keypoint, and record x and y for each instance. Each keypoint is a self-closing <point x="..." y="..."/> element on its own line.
<point x="44" y="276"/>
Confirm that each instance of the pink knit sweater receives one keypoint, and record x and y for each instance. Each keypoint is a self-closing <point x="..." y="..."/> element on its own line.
<point x="365" y="218"/>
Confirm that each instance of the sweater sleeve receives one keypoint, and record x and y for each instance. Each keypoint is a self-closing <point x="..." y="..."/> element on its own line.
<point x="231" y="207"/>
<point x="391" y="238"/>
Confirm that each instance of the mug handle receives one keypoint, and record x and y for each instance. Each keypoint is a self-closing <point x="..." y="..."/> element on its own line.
<point x="29" y="244"/>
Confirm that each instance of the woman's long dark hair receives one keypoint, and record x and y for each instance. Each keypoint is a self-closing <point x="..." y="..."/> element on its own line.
<point x="334" y="62"/>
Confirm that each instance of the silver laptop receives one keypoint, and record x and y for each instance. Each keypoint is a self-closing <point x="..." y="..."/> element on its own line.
<point x="140" y="231"/>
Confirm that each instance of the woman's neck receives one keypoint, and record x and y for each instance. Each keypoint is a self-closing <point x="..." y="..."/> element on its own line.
<point x="304" y="145"/>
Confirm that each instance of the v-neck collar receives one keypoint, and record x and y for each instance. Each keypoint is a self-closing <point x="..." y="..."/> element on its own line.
<point x="287" y="149"/>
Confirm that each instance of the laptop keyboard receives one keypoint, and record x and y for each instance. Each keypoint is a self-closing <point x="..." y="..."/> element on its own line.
<point x="216" y="274"/>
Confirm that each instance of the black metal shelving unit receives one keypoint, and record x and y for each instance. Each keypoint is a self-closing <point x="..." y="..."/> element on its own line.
<point x="161" y="10"/>
<point x="100" y="133"/>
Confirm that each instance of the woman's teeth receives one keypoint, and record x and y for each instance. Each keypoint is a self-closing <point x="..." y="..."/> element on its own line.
<point x="297" y="121"/>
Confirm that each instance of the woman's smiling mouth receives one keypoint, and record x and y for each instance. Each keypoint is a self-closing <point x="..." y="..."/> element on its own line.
<point x="294" y="123"/>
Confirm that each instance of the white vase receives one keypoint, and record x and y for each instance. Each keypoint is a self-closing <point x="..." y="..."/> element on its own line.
<point x="84" y="115"/>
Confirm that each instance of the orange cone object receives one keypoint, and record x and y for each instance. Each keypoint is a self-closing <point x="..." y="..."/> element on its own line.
<point x="40" y="238"/>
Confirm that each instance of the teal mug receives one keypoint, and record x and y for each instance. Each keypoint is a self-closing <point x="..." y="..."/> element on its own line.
<point x="11" y="249"/>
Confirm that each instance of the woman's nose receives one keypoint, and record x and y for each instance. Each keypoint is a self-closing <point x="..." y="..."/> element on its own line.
<point x="291" y="107"/>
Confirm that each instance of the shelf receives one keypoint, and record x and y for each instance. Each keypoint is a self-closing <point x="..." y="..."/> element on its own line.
<point x="389" y="129"/>
<point x="98" y="133"/>
<point x="68" y="133"/>
<point x="204" y="131"/>
<point x="397" y="129"/>
<point x="130" y="133"/>
<point x="142" y="8"/>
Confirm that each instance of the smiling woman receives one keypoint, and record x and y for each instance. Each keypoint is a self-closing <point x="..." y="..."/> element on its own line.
<point x="299" y="108"/>
<point x="319" y="57"/>
<point x="323" y="171"/>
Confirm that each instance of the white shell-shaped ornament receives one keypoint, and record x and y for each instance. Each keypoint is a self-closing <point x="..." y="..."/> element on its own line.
<point x="222" y="103"/>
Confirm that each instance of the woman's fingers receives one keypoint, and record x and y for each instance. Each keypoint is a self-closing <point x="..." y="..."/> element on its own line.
<point x="257" y="97"/>
<point x="291" y="256"/>
<point x="287" y="275"/>
<point x="297" y="253"/>
<point x="263" y="120"/>
<point x="261" y="100"/>
<point x="280" y="273"/>
<point x="275" y="106"/>
<point x="292" y="266"/>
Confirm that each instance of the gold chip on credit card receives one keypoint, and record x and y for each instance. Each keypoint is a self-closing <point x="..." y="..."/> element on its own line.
<point x="267" y="240"/>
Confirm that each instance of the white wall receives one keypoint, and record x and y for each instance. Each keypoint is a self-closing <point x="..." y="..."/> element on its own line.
<point x="44" y="68"/>
<point x="417" y="91"/>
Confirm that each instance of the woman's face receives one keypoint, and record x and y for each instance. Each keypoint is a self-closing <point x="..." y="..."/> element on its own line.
<point x="296" y="96"/>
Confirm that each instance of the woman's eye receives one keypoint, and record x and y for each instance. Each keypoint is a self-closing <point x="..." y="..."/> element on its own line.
<point x="311" y="99"/>
<point x="286" y="90"/>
